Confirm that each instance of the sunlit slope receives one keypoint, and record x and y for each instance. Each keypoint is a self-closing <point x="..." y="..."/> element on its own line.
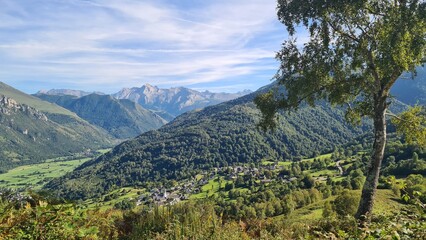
<point x="29" y="135"/>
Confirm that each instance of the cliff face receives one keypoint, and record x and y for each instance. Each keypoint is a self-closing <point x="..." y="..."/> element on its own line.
<point x="8" y="106"/>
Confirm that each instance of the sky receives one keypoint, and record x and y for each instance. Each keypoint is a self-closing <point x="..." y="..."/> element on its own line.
<point x="106" y="45"/>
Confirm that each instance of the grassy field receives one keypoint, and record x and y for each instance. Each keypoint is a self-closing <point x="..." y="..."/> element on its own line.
<point x="103" y="151"/>
<point x="321" y="157"/>
<point x="116" y="196"/>
<point x="212" y="187"/>
<point x="324" y="172"/>
<point x="36" y="175"/>
<point x="386" y="203"/>
<point x="287" y="163"/>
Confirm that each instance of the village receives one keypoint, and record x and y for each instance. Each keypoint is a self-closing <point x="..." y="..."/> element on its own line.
<point x="183" y="191"/>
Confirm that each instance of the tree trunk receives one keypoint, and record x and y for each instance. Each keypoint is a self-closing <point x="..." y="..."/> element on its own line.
<point x="372" y="178"/>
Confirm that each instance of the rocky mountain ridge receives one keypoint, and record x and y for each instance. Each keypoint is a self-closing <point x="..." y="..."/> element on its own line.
<point x="70" y="92"/>
<point x="174" y="101"/>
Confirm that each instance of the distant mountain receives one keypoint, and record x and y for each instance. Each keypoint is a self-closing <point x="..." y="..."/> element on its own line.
<point x="172" y="102"/>
<point x="215" y="136"/>
<point x="70" y="92"/>
<point x="32" y="130"/>
<point x="123" y="119"/>
<point x="411" y="91"/>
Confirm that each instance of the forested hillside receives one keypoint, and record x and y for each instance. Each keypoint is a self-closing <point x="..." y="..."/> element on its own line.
<point x="121" y="118"/>
<point x="216" y="136"/>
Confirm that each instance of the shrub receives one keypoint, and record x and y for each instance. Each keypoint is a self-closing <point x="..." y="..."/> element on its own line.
<point x="346" y="203"/>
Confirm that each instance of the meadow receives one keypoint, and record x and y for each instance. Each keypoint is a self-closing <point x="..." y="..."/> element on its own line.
<point x="36" y="175"/>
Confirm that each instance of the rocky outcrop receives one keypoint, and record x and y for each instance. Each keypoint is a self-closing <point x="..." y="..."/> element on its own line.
<point x="8" y="106"/>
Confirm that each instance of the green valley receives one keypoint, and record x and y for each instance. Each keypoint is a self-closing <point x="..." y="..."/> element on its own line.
<point x="216" y="136"/>
<point x="34" y="176"/>
<point x="197" y="144"/>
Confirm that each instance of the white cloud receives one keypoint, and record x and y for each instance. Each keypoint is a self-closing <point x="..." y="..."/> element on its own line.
<point x="125" y="42"/>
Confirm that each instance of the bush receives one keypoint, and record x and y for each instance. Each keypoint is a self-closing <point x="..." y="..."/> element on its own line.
<point x="346" y="203"/>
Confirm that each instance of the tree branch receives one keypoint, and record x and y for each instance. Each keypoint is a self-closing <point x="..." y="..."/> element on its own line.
<point x="395" y="116"/>
<point x="341" y="32"/>
<point x="373" y="68"/>
<point x="371" y="11"/>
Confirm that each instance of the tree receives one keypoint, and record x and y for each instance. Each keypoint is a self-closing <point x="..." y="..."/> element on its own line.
<point x="345" y="203"/>
<point x="327" y="211"/>
<point x="356" y="51"/>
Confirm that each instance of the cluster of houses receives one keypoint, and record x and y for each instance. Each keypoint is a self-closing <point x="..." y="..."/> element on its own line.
<point x="167" y="196"/>
<point x="182" y="192"/>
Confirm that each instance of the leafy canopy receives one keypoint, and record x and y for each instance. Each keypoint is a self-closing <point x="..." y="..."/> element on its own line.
<point x="412" y="124"/>
<point x="356" y="51"/>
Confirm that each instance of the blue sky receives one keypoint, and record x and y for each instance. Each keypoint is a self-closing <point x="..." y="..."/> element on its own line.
<point x="105" y="45"/>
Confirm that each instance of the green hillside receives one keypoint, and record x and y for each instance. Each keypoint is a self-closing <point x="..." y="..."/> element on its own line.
<point x="32" y="101"/>
<point x="121" y="118"/>
<point x="216" y="136"/>
<point x="29" y="134"/>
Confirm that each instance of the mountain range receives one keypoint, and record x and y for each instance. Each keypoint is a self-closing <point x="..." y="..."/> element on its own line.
<point x="67" y="92"/>
<point x="32" y="130"/>
<point x="169" y="103"/>
<point x="411" y="89"/>
<point x="121" y="118"/>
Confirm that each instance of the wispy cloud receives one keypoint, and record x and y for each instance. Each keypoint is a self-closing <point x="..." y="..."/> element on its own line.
<point x="106" y="44"/>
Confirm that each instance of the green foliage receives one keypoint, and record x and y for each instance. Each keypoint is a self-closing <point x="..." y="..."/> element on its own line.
<point x="414" y="190"/>
<point x="346" y="203"/>
<point x="277" y="210"/>
<point x="356" y="52"/>
<point x="400" y="159"/>
<point x="189" y="221"/>
<point x="327" y="211"/>
<point x="125" y="204"/>
<point x="42" y="220"/>
<point x="412" y="124"/>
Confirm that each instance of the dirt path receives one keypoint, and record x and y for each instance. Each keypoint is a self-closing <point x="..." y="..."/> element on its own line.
<point x="339" y="167"/>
